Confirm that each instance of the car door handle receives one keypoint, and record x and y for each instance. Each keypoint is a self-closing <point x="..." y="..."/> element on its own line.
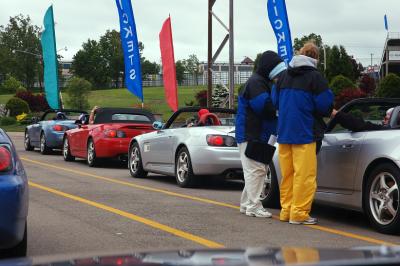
<point x="347" y="146"/>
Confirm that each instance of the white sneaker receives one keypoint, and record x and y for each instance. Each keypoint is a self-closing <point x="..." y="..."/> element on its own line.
<point x="243" y="210"/>
<point x="309" y="220"/>
<point x="261" y="213"/>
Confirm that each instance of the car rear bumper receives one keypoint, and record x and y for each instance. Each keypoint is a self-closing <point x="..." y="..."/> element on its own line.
<point x="13" y="210"/>
<point x="215" y="160"/>
<point x="112" y="147"/>
<point x="54" y="140"/>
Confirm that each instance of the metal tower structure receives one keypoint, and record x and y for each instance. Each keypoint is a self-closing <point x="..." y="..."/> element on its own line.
<point x="212" y="58"/>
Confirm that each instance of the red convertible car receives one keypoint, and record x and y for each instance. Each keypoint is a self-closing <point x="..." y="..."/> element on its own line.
<point x="108" y="136"/>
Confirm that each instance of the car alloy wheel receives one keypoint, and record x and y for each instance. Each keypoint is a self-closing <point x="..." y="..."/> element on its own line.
<point x="384" y="198"/>
<point x="270" y="192"/>
<point x="183" y="169"/>
<point x="135" y="162"/>
<point x="91" y="154"/>
<point x="267" y="186"/>
<point x="66" y="151"/>
<point x="43" y="147"/>
<point x="27" y="142"/>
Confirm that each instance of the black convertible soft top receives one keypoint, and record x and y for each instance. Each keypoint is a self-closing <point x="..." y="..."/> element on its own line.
<point x="105" y="114"/>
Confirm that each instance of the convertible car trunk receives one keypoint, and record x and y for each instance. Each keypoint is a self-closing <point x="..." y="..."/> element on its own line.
<point x="132" y="130"/>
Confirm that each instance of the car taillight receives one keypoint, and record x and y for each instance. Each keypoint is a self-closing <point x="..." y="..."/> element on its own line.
<point x="219" y="140"/>
<point x="59" y="128"/>
<point x="5" y="159"/>
<point x="112" y="133"/>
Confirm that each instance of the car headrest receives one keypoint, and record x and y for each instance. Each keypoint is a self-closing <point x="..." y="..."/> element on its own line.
<point x="213" y="117"/>
<point x="395" y="118"/>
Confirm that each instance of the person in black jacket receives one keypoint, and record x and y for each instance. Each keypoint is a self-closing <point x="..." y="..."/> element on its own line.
<point x="255" y="121"/>
<point x="358" y="124"/>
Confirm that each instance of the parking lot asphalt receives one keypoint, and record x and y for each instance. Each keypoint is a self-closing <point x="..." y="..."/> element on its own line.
<point x="75" y="209"/>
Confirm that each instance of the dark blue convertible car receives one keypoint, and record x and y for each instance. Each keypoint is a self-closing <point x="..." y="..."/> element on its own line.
<point x="13" y="200"/>
<point x="47" y="132"/>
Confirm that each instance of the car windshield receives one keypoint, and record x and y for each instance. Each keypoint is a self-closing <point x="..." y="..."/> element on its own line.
<point x="130" y="117"/>
<point x="192" y="119"/>
<point x="62" y="115"/>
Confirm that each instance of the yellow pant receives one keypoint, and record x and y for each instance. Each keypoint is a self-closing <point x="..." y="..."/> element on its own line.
<point x="298" y="164"/>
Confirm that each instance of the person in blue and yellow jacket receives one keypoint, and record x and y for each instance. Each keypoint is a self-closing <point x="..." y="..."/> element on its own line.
<point x="255" y="121"/>
<point x="302" y="98"/>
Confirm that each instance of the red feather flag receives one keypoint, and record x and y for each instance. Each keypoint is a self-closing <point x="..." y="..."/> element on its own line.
<point x="168" y="65"/>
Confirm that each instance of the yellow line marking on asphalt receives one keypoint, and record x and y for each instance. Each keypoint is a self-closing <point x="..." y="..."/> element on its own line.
<point x="148" y="222"/>
<point x="351" y="235"/>
<point x="134" y="185"/>
<point x="316" y="227"/>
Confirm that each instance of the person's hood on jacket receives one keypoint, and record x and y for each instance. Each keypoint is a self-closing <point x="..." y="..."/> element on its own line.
<point x="300" y="64"/>
<point x="270" y="65"/>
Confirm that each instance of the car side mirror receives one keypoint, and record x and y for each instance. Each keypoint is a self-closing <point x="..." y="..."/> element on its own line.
<point x="158" y="125"/>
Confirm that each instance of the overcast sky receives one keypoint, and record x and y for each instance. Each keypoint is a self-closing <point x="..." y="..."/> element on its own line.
<point x="356" y="24"/>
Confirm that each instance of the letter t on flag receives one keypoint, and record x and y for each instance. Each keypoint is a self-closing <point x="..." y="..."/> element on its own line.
<point x="168" y="64"/>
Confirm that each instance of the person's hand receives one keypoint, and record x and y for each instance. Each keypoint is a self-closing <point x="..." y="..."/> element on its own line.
<point x="334" y="112"/>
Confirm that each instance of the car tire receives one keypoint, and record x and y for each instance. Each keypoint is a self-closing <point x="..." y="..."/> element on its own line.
<point x="43" y="146"/>
<point x="184" y="170"/>
<point x="91" y="159"/>
<point x="27" y="142"/>
<point x="135" y="162"/>
<point x="270" y="194"/>
<point x="20" y="249"/>
<point x="381" y="198"/>
<point x="67" y="151"/>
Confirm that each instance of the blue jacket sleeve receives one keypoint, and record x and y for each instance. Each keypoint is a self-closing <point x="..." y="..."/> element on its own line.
<point x="262" y="106"/>
<point x="275" y="96"/>
<point x="324" y="102"/>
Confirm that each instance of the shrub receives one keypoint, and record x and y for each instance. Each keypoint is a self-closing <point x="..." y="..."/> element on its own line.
<point x="37" y="103"/>
<point x="201" y="98"/>
<point x="6" y="121"/>
<point x="16" y="106"/>
<point x="348" y="95"/>
<point x="389" y="86"/>
<point x="340" y="83"/>
<point x="78" y="91"/>
<point x="219" y="96"/>
<point x="367" y="84"/>
<point x="11" y="85"/>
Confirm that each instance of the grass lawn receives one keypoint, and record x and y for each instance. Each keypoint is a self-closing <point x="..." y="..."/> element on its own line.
<point x="154" y="100"/>
<point x="14" y="128"/>
<point x="4" y="98"/>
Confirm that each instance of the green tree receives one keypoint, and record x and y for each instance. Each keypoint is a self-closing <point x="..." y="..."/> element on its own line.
<point x="111" y="51"/>
<point x="317" y="40"/>
<point x="78" y="91"/>
<point x="180" y="71"/>
<point x="339" y="83"/>
<point x="389" y="86"/>
<point x="90" y="64"/>
<point x="11" y="85"/>
<point x="192" y="66"/>
<point x="150" y="68"/>
<point x="20" y="35"/>
<point x="340" y="63"/>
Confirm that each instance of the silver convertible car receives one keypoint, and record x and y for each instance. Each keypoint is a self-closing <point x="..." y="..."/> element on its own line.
<point x="186" y="150"/>
<point x="358" y="170"/>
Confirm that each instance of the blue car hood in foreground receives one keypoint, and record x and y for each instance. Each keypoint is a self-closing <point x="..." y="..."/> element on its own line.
<point x="249" y="256"/>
